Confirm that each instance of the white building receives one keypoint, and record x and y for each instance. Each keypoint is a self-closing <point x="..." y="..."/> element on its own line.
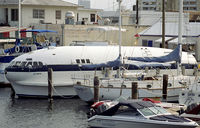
<point x="170" y="5"/>
<point x="148" y="18"/>
<point x="152" y="36"/>
<point x="42" y="12"/>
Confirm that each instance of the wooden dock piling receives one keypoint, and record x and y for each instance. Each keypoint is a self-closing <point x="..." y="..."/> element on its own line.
<point x="96" y="89"/>
<point x="165" y="84"/>
<point x="183" y="70"/>
<point x="134" y="90"/>
<point x="50" y="85"/>
<point x="12" y="95"/>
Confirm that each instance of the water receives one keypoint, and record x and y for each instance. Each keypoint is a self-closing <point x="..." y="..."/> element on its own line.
<point x="36" y="113"/>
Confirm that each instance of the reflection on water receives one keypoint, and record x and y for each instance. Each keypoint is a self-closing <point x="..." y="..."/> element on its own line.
<point x="34" y="113"/>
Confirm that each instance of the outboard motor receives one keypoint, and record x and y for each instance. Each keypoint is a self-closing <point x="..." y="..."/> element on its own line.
<point x="100" y="107"/>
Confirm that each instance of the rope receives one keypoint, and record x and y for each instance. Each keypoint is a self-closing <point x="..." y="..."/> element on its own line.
<point x="68" y="97"/>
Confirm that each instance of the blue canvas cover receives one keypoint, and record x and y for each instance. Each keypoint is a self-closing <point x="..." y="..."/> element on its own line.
<point x="175" y="55"/>
<point x="114" y="63"/>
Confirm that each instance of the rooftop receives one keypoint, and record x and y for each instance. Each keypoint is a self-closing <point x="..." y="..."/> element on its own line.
<point x="38" y="2"/>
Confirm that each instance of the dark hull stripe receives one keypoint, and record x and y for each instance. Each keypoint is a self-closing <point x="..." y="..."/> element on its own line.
<point x="78" y="68"/>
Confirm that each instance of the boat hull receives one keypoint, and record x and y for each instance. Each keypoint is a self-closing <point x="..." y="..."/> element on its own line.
<point x="123" y="122"/>
<point x="86" y="93"/>
<point x="36" y="84"/>
<point x="114" y="88"/>
<point x="42" y="91"/>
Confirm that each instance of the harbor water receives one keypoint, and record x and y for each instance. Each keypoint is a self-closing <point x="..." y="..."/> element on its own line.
<point x="37" y="113"/>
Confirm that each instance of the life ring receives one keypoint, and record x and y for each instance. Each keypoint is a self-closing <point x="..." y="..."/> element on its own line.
<point x="17" y="49"/>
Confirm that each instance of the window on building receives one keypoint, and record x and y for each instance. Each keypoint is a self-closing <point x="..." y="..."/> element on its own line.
<point x="14" y="14"/>
<point x="92" y="17"/>
<point x="145" y="8"/>
<point x="144" y="42"/>
<point x="58" y="14"/>
<point x="38" y="13"/>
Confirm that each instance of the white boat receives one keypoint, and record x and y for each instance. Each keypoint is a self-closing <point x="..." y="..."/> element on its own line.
<point x="28" y="72"/>
<point x="113" y="88"/>
<point x="135" y="113"/>
<point x="191" y="94"/>
<point x="7" y="55"/>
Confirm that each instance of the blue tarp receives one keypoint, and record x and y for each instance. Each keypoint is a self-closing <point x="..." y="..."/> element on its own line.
<point x="38" y="30"/>
<point x="114" y="63"/>
<point x="149" y="64"/>
<point x="175" y="55"/>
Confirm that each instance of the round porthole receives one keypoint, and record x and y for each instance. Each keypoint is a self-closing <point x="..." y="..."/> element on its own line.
<point x="199" y="95"/>
<point x="169" y="85"/>
<point x="149" y="86"/>
<point x="183" y="94"/>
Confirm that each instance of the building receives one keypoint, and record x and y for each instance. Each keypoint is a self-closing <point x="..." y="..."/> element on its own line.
<point x="43" y="12"/>
<point x="148" y="18"/>
<point x="112" y="17"/>
<point x="152" y="36"/>
<point x="84" y="3"/>
<point x="171" y="5"/>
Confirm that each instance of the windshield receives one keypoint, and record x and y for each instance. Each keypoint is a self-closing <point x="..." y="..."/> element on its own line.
<point x="152" y="111"/>
<point x="25" y="64"/>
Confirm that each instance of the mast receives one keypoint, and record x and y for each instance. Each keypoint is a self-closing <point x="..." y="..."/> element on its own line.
<point x="120" y="23"/>
<point x="137" y="16"/>
<point x="180" y="32"/>
<point x="19" y="18"/>
<point x="163" y="23"/>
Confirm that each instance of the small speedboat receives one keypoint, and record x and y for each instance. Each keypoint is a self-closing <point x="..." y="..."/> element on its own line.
<point x="135" y="113"/>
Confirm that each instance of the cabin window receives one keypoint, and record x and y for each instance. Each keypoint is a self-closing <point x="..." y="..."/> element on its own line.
<point x="38" y="13"/>
<point x="14" y="14"/>
<point x="82" y="61"/>
<point x="146" y="112"/>
<point x="58" y="14"/>
<point x="29" y="64"/>
<point x="87" y="61"/>
<point x="12" y="63"/>
<point x="35" y="64"/>
<point x="23" y="64"/>
<point x="77" y="61"/>
<point x="40" y="64"/>
<point x="17" y="63"/>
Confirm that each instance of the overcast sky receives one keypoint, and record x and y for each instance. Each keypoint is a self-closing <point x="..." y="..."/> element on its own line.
<point x="108" y="5"/>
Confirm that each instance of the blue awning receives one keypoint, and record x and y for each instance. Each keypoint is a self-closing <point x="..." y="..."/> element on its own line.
<point x="38" y="30"/>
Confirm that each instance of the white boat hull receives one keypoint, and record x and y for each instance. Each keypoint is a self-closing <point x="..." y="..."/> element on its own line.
<point x="86" y="92"/>
<point x="34" y="85"/>
<point x="126" y="122"/>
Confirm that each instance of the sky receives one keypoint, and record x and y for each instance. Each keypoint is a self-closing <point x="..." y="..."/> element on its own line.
<point x="107" y="5"/>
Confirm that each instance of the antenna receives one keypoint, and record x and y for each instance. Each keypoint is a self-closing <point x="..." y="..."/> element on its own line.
<point x="120" y="23"/>
<point x="180" y="33"/>
<point x="19" y="18"/>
